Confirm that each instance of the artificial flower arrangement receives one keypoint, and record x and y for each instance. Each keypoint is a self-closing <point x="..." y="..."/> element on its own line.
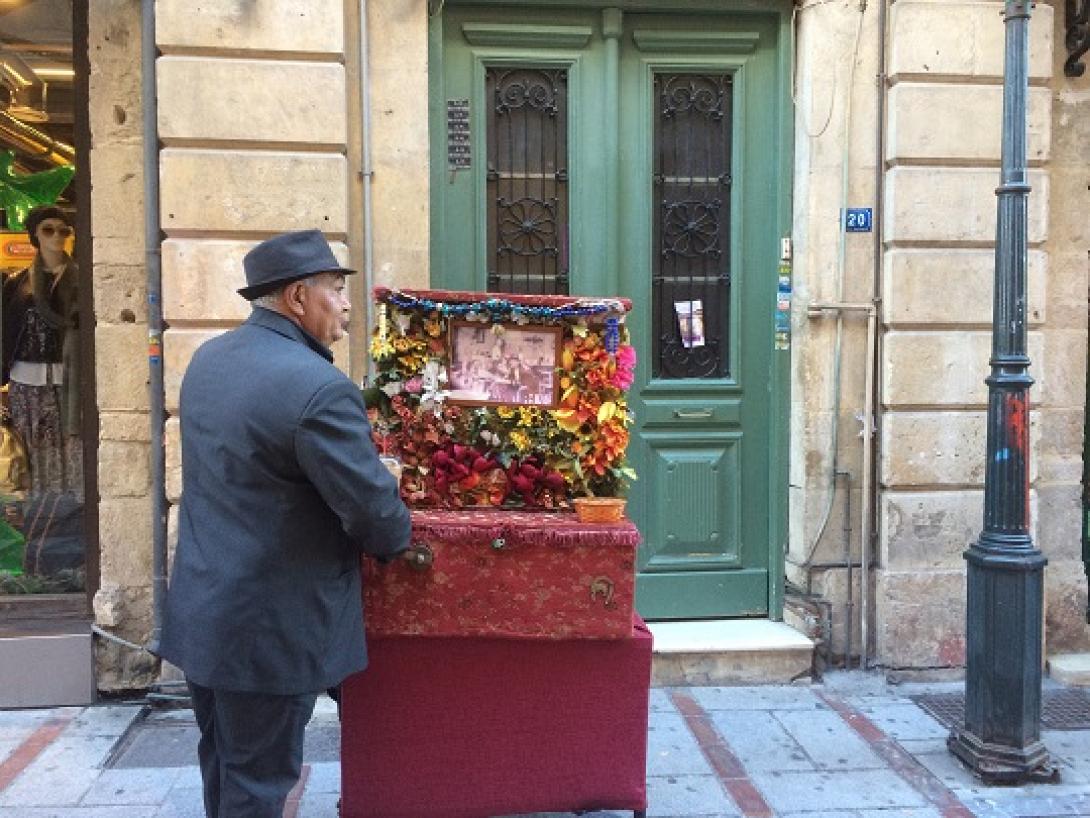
<point x="540" y="450"/>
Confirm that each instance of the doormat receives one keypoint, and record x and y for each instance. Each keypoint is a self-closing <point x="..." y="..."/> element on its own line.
<point x="1060" y="709"/>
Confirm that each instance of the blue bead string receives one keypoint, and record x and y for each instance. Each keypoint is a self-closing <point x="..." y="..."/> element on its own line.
<point x="613" y="335"/>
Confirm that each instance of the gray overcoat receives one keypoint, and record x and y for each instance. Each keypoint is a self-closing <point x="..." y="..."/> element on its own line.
<point x="282" y="491"/>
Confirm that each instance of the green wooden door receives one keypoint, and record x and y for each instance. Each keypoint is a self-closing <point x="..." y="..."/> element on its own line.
<point x="602" y="153"/>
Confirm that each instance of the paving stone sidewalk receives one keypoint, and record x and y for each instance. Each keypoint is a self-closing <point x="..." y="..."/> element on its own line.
<point x="852" y="747"/>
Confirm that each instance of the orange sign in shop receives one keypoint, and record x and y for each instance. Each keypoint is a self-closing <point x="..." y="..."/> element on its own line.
<point x="16" y="250"/>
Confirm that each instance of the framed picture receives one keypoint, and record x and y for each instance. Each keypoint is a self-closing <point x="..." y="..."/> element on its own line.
<point x="504" y="364"/>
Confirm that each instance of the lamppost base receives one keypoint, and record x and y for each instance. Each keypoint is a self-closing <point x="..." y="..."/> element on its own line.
<point x="1002" y="764"/>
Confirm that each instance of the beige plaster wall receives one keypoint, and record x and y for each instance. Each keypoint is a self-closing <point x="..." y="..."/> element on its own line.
<point x="398" y="69"/>
<point x="836" y="52"/>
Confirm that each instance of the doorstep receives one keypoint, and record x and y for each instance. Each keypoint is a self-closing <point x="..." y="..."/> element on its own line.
<point x="46" y="664"/>
<point x="1070" y="669"/>
<point x="729" y="651"/>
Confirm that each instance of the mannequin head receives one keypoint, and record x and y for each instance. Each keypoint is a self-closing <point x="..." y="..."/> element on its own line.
<point x="48" y="228"/>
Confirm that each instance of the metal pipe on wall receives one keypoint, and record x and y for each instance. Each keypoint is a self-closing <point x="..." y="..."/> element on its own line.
<point x="868" y="486"/>
<point x="849" y="601"/>
<point x="874" y="362"/>
<point x="367" y="171"/>
<point x="819" y="309"/>
<point x="153" y="256"/>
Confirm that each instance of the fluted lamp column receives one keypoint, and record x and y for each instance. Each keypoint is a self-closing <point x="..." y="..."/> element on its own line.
<point x="1001" y="735"/>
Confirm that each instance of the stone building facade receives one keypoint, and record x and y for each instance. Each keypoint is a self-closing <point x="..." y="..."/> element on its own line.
<point x="261" y="127"/>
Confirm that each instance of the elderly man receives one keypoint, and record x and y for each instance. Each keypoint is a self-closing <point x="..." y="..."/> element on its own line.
<point x="282" y="491"/>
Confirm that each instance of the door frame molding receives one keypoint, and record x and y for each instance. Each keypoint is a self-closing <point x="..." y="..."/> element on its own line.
<point x="781" y="142"/>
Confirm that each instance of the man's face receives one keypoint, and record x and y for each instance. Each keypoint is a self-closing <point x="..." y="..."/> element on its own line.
<point x="322" y="307"/>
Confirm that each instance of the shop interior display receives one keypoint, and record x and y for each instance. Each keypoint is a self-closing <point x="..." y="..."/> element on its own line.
<point x="42" y="545"/>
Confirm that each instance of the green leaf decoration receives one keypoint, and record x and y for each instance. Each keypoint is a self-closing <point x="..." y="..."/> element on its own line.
<point x="22" y="192"/>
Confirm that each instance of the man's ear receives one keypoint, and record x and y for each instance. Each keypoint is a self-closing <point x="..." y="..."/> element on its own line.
<point x="294" y="299"/>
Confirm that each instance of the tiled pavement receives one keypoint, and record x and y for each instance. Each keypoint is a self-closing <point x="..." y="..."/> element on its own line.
<point x="850" y="748"/>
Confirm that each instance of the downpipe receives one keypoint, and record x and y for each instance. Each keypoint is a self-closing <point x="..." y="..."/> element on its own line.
<point x="368" y="173"/>
<point x="153" y="252"/>
<point x="874" y="389"/>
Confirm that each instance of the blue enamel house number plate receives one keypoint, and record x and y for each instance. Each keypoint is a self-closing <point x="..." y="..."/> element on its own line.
<point x="858" y="219"/>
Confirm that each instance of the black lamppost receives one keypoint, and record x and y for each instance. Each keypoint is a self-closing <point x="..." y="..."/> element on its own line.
<point x="1001" y="737"/>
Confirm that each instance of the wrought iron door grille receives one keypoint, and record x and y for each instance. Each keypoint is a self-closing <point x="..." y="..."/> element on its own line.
<point x="527" y="180"/>
<point x="1060" y="709"/>
<point x="691" y="266"/>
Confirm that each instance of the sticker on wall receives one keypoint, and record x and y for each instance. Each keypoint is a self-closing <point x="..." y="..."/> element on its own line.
<point x="782" y="316"/>
<point x="690" y="319"/>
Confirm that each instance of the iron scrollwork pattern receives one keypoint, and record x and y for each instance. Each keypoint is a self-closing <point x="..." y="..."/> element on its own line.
<point x="527" y="180"/>
<point x="692" y="181"/>
<point x="1077" y="40"/>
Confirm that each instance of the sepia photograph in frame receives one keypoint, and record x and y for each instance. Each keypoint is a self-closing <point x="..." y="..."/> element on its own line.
<point x="504" y="364"/>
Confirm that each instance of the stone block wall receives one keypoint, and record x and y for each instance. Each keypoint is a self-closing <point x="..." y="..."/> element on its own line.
<point x="258" y="137"/>
<point x="122" y="603"/>
<point x="261" y="127"/>
<point x="943" y="157"/>
<point x="1063" y="395"/>
<point x="941" y="167"/>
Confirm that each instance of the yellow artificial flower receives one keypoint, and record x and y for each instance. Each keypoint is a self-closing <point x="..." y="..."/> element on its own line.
<point x="381" y="348"/>
<point x="505" y="412"/>
<point x="567" y="419"/>
<point x="521" y="440"/>
<point x="433" y="326"/>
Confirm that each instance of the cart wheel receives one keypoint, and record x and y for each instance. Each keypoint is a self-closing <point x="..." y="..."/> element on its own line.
<point x="639" y="813"/>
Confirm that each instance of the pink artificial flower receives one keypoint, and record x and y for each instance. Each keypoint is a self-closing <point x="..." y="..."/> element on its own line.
<point x="414" y="385"/>
<point x="624" y="374"/>
<point x="622" y="378"/>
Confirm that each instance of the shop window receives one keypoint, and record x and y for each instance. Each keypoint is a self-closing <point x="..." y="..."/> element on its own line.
<point x="42" y="495"/>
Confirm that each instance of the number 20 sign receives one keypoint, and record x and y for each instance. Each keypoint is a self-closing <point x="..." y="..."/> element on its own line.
<point x="858" y="219"/>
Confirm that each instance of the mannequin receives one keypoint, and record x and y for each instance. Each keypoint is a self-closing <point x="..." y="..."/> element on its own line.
<point x="41" y="368"/>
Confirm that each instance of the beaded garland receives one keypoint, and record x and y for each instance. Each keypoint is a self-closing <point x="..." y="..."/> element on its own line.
<point x="498" y="308"/>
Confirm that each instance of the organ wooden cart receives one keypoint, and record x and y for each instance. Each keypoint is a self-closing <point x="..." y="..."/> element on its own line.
<point x="508" y="671"/>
